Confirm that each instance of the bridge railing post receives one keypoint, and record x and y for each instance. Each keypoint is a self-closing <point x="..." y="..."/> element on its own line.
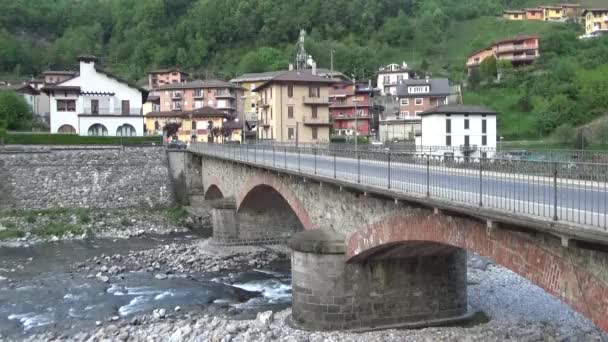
<point x="428" y="176"/>
<point x="555" y="217"/>
<point x="285" y="157"/>
<point x="358" y="168"/>
<point x="315" y="157"/>
<point x="334" y="164"/>
<point x="299" y="168"/>
<point x="480" y="181"/>
<point x="273" y="157"/>
<point x="388" y="162"/>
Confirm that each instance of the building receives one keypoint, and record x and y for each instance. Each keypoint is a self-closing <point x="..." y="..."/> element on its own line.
<point x="519" y="50"/>
<point x="596" y="20"/>
<point x="56" y="76"/>
<point x="572" y="11"/>
<point x="95" y="102"/>
<point x="161" y="77"/>
<point x="201" y="124"/>
<point x="514" y="15"/>
<point x="459" y="130"/>
<point x="414" y="96"/>
<point x="294" y="107"/>
<point x="29" y="94"/>
<point x="351" y="108"/>
<point x="251" y="81"/>
<point x="553" y="13"/>
<point x="188" y="96"/>
<point x="152" y="104"/>
<point x="535" y="14"/>
<point x="389" y="76"/>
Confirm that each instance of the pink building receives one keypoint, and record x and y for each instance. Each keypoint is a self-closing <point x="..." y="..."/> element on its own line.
<point x="56" y="76"/>
<point x="188" y="96"/>
<point x="161" y="77"/>
<point x="350" y="108"/>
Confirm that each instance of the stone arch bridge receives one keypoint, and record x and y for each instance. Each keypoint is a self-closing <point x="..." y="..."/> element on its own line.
<point x="364" y="260"/>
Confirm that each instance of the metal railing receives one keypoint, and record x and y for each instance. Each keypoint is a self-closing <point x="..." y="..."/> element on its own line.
<point x="549" y="190"/>
<point x="101" y="110"/>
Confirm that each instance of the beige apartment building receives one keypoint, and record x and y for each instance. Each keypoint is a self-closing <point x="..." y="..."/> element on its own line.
<point x="294" y="107"/>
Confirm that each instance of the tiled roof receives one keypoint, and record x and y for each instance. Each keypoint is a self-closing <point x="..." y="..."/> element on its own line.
<point x="20" y="88"/>
<point x="59" y="72"/>
<point x="168" y="70"/>
<point x="438" y="86"/>
<point x="296" y="77"/>
<point x="517" y="38"/>
<point x="513" y="12"/>
<point x="265" y="76"/>
<point x="199" y="112"/>
<point x="459" y="109"/>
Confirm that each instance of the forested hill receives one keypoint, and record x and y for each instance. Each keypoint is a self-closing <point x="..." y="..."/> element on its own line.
<point x="222" y="38"/>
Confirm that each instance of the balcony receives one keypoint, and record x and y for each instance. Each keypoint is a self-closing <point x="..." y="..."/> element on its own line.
<point x="316" y="121"/>
<point x="199" y="96"/>
<point x="176" y="96"/>
<point x="520" y="47"/>
<point x="224" y="95"/>
<point x="177" y="106"/>
<point x="362" y="116"/>
<point x="225" y="105"/>
<point x="317" y="101"/>
<point x="350" y="104"/>
<point x="103" y="110"/>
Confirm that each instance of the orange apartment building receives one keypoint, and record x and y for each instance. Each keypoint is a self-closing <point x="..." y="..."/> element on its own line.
<point x="54" y="76"/>
<point x="188" y="96"/>
<point x="535" y="14"/>
<point x="520" y="50"/>
<point x="161" y="77"/>
<point x="514" y="15"/>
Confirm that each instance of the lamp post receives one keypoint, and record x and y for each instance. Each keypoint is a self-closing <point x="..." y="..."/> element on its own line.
<point x="356" y="116"/>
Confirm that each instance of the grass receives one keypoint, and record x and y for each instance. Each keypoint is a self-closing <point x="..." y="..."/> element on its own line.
<point x="11" y="234"/>
<point x="72" y="139"/>
<point x="57" y="229"/>
<point x="125" y="222"/>
<point x="176" y="213"/>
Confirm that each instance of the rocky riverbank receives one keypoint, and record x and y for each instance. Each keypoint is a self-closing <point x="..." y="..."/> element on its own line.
<point x="22" y="228"/>
<point x="516" y="310"/>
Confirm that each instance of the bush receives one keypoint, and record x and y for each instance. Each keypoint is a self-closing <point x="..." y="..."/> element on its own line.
<point x="56" y="229"/>
<point x="126" y="222"/>
<point x="565" y="134"/>
<point x="72" y="139"/>
<point x="176" y="214"/>
<point x="11" y="234"/>
<point x="30" y="218"/>
<point x="84" y="218"/>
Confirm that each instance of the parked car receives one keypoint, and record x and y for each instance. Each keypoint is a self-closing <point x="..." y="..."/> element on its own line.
<point x="177" y="145"/>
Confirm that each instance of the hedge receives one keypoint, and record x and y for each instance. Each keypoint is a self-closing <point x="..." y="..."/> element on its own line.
<point x="72" y="139"/>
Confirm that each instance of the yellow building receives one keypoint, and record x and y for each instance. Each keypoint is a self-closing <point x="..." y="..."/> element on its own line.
<point x="514" y="15"/>
<point x="596" y="20"/>
<point x="152" y="104"/>
<point x="553" y="13"/>
<point x="251" y="81"/>
<point x="203" y="124"/>
<point x="294" y="107"/>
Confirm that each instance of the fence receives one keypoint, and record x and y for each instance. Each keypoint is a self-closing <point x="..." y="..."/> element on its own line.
<point x="552" y="190"/>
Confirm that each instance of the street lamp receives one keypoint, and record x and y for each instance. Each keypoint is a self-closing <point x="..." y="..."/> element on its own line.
<point x="356" y="116"/>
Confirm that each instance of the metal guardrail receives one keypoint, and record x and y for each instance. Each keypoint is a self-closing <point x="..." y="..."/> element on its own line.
<point x="575" y="193"/>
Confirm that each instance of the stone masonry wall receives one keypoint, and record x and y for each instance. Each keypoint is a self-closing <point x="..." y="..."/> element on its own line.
<point x="85" y="178"/>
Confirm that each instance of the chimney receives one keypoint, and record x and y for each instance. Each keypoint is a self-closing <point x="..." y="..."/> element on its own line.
<point x="87" y="64"/>
<point x="426" y="78"/>
<point x="290" y="66"/>
<point x="314" y="68"/>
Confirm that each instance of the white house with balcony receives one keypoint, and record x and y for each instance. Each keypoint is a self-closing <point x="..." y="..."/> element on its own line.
<point x="458" y="131"/>
<point x="389" y="77"/>
<point x="95" y="102"/>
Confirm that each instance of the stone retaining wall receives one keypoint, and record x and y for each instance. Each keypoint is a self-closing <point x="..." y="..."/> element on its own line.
<point x="85" y="178"/>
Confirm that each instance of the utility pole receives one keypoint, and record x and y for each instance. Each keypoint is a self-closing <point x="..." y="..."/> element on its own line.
<point x="331" y="74"/>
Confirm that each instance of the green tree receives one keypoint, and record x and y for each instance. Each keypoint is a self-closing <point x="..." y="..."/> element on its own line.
<point x="15" y="113"/>
<point x="565" y="134"/>
<point x="488" y="68"/>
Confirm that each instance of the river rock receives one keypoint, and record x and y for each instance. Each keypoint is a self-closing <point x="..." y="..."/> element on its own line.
<point x="265" y="318"/>
<point x="160" y="276"/>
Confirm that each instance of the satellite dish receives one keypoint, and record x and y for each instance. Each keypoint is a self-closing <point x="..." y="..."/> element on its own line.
<point x="310" y="61"/>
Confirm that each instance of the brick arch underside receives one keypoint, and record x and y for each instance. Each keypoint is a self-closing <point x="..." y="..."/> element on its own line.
<point x="548" y="268"/>
<point x="274" y="182"/>
<point x="213" y="188"/>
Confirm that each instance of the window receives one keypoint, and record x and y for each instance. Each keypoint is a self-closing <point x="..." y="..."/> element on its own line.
<point x="290" y="112"/>
<point x="315" y="133"/>
<point x="484" y="140"/>
<point x="448" y="125"/>
<point x="126" y="107"/>
<point x="405" y="113"/>
<point x="125" y="130"/>
<point x="484" y="126"/>
<point x="418" y="90"/>
<point x="386" y="80"/>
<point x="419" y="101"/>
<point x="98" y="130"/>
<point x="198" y="93"/>
<point x="314" y="112"/>
<point x="466" y="140"/>
<point x="290" y="90"/>
<point x="193" y="125"/>
<point x="66" y="105"/>
<point x="448" y="140"/>
<point x="314" y="91"/>
<point x="290" y="133"/>
<point x="484" y="155"/>
<point x="405" y="102"/>
<point x="66" y="129"/>
<point x="94" y="106"/>
<point x="270" y="113"/>
<point x="466" y="123"/>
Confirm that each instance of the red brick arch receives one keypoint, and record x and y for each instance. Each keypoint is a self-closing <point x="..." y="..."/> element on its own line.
<point x="549" y="267"/>
<point x="271" y="180"/>
<point x="217" y="182"/>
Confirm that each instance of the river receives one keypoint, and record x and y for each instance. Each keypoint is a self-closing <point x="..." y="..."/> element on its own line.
<point x="47" y="293"/>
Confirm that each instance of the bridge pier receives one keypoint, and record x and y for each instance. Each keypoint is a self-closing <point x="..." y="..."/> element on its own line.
<point x="388" y="291"/>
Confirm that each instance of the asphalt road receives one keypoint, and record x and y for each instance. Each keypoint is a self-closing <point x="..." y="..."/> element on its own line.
<point x="577" y="201"/>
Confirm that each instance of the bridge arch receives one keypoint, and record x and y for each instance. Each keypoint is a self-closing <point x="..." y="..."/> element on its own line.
<point x="547" y="265"/>
<point x="213" y="189"/>
<point x="262" y="183"/>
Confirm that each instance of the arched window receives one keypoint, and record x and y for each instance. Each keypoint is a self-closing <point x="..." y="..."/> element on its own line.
<point x="126" y="130"/>
<point x="67" y="129"/>
<point x="156" y="125"/>
<point x="193" y="125"/>
<point x="98" y="130"/>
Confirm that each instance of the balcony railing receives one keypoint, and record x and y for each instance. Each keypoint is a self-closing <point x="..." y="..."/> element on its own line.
<point x="176" y="95"/>
<point x="315" y="100"/>
<point x="350" y="104"/>
<point x="225" y="95"/>
<point x="352" y="116"/>
<point x="508" y="48"/>
<point x="199" y="96"/>
<point x="316" y="121"/>
<point x="105" y="110"/>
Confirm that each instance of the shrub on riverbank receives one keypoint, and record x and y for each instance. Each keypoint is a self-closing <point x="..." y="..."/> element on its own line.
<point x="11" y="234"/>
<point x="57" y="229"/>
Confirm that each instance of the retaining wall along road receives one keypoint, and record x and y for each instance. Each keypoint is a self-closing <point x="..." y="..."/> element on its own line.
<point x="85" y="178"/>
